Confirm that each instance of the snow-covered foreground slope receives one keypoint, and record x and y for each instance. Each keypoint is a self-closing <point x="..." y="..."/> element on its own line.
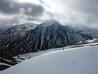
<point x="83" y="60"/>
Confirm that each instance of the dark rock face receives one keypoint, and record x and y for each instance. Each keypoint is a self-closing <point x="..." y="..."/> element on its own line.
<point x="2" y="67"/>
<point x="47" y="35"/>
<point x="6" y="61"/>
<point x="11" y="38"/>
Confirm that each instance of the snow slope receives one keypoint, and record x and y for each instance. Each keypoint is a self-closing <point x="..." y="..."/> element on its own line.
<point x="83" y="60"/>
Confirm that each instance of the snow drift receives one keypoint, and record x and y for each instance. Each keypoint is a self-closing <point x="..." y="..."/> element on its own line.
<point x="83" y="60"/>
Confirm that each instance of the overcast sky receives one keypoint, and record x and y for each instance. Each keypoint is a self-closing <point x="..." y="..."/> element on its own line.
<point x="79" y="12"/>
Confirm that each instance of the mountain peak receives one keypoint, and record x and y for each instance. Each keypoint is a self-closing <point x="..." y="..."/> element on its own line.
<point x="49" y="23"/>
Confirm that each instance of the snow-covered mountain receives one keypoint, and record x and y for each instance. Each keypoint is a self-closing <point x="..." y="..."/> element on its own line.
<point x="18" y="30"/>
<point x="83" y="60"/>
<point x="93" y="32"/>
<point x="50" y="34"/>
<point x="11" y="37"/>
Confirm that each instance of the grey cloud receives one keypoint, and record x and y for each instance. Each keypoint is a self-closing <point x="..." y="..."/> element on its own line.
<point x="32" y="9"/>
<point x="89" y="6"/>
<point x="4" y="6"/>
<point x="83" y="12"/>
<point x="75" y="11"/>
<point x="11" y="7"/>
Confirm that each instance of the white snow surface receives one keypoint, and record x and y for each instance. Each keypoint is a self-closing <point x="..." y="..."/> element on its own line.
<point x="82" y="60"/>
